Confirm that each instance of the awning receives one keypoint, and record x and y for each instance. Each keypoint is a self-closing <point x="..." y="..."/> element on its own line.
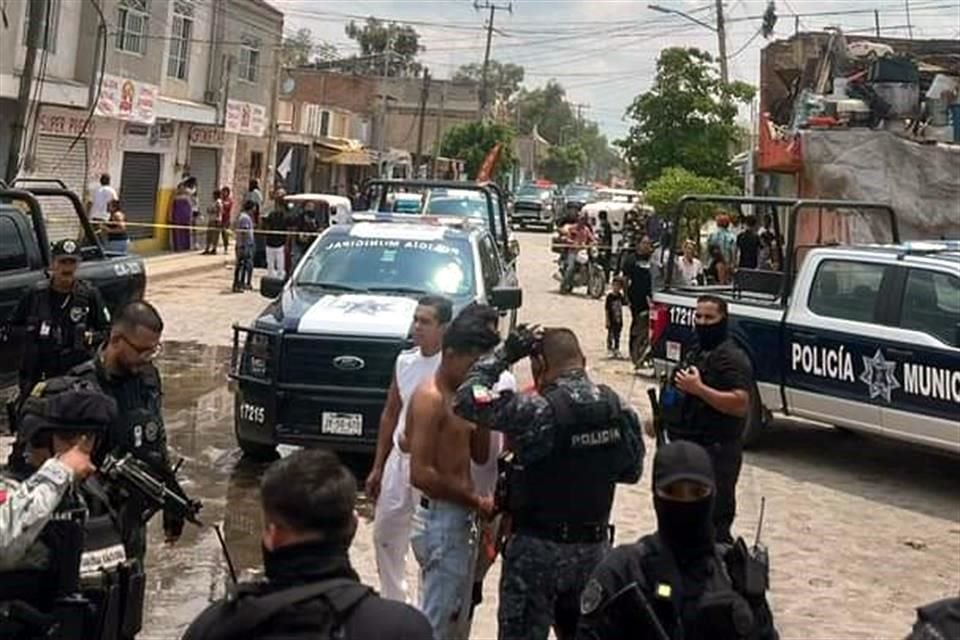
<point x="346" y="151"/>
<point x="185" y="110"/>
<point x="359" y="157"/>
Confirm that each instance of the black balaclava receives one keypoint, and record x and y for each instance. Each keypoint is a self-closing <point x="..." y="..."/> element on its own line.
<point x="709" y="336"/>
<point x="685" y="527"/>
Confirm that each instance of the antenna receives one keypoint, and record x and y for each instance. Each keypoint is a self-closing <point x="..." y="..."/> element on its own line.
<point x="226" y="553"/>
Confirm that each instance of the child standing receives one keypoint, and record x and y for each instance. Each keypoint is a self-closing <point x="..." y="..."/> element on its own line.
<point x="614" y="308"/>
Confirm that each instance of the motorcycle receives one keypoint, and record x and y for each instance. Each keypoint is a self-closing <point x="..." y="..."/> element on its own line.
<point x="587" y="273"/>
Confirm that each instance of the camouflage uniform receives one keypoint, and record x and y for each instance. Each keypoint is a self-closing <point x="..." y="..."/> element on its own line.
<point x="26" y="508"/>
<point x="541" y="579"/>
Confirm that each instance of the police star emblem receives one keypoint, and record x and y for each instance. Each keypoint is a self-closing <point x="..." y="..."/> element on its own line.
<point x="879" y="376"/>
<point x="591" y="597"/>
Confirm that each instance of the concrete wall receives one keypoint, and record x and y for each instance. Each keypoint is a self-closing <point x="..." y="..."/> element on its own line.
<point x="62" y="62"/>
<point x="339" y="90"/>
<point x="251" y="19"/>
<point x="195" y="84"/>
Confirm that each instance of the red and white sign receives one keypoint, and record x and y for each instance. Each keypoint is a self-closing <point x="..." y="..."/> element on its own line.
<point x="56" y="121"/>
<point x="209" y="136"/>
<point x="128" y="100"/>
<point x="245" y="118"/>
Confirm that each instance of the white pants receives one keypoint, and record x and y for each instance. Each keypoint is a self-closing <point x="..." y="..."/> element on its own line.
<point x="275" y="266"/>
<point x="392" y="521"/>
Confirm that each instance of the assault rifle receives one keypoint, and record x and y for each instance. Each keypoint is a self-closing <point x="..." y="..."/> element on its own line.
<point x="634" y="595"/>
<point x="137" y="476"/>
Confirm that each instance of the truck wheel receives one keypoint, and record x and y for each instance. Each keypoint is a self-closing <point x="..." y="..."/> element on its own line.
<point x="257" y="451"/>
<point x="756" y="422"/>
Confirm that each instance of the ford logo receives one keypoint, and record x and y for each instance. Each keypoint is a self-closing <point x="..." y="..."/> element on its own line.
<point x="349" y="363"/>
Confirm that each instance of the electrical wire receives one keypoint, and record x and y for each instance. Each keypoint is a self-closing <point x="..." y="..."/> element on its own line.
<point x="745" y="45"/>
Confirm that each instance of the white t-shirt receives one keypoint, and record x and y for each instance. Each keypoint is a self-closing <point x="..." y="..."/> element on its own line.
<point x="689" y="270"/>
<point x="485" y="475"/>
<point x="411" y="369"/>
<point x="102" y="196"/>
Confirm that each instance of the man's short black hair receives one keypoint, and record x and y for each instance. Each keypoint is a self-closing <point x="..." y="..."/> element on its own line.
<point x="104" y="179"/>
<point x="442" y="306"/>
<point x="470" y="333"/>
<point x="720" y="302"/>
<point x="750" y="221"/>
<point x="560" y="347"/>
<point x="139" y="313"/>
<point x="310" y="491"/>
<point x="482" y="312"/>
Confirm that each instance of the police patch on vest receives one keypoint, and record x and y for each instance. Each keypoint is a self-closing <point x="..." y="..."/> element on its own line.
<point x="151" y="431"/>
<point x="77" y="313"/>
<point x="591" y="597"/>
<point x="599" y="438"/>
<point x="92" y="562"/>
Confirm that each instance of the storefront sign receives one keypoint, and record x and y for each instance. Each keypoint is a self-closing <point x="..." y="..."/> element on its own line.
<point x="210" y="136"/>
<point x="127" y="99"/>
<point x="245" y="118"/>
<point x="54" y="121"/>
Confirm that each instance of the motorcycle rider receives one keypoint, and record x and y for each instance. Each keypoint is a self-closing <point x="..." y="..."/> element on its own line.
<point x="575" y="237"/>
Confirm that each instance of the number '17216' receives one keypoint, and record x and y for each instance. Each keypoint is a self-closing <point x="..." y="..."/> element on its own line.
<point x="681" y="315"/>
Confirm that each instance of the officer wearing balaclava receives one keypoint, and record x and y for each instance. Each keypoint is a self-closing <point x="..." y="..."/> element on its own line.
<point x="678" y="582"/>
<point x="707" y="401"/>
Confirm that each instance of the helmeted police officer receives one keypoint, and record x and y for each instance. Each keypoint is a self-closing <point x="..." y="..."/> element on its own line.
<point x="123" y="368"/>
<point x="706" y="401"/>
<point x="62" y="320"/>
<point x="572" y="442"/>
<point x="63" y="573"/>
<point x="678" y="583"/>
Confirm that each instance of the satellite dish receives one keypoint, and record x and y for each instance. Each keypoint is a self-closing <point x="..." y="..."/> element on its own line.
<point x="288" y="85"/>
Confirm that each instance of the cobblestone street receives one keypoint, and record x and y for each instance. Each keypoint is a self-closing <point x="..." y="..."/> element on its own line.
<point x="860" y="531"/>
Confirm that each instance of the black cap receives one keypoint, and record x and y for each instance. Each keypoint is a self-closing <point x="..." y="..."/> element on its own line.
<point x="66" y="404"/>
<point x="66" y="249"/>
<point x="682" y="460"/>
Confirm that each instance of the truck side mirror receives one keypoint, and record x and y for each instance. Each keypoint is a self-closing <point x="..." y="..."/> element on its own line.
<point x="271" y="287"/>
<point x="506" y="298"/>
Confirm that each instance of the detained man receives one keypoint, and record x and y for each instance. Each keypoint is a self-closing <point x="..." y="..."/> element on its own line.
<point x="389" y="480"/>
<point x="442" y="448"/>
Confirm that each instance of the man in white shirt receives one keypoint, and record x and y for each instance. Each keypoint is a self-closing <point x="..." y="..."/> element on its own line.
<point x="102" y="196"/>
<point x="389" y="481"/>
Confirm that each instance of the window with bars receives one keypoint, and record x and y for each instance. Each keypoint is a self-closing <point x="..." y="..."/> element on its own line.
<point x="50" y="10"/>
<point x="132" y="17"/>
<point x="181" y="31"/>
<point x="249" y="60"/>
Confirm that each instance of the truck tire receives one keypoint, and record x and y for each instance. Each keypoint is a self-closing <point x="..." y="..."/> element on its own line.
<point x="257" y="451"/>
<point x="757" y="420"/>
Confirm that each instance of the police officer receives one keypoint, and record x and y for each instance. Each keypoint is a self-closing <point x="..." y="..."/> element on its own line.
<point x="124" y="369"/>
<point x="706" y="400"/>
<point x="937" y="620"/>
<point x="63" y="573"/>
<point x="677" y="583"/>
<point x="62" y="319"/>
<point x="572" y="441"/>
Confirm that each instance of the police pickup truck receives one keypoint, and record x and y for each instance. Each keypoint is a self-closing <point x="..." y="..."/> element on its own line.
<point x="864" y="337"/>
<point x="314" y="367"/>
<point x="31" y="219"/>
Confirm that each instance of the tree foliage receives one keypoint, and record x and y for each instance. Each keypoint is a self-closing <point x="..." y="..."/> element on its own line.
<point x="665" y="192"/>
<point x="503" y="80"/>
<point x="301" y="49"/>
<point x="384" y="45"/>
<point x="471" y="142"/>
<point x="687" y="119"/>
<point x="563" y="163"/>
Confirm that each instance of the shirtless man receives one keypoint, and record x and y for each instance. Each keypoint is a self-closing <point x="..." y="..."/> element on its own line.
<point x="389" y="480"/>
<point x="442" y="448"/>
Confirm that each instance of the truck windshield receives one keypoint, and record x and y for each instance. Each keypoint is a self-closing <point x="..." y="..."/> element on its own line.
<point x="533" y="192"/>
<point x="384" y="264"/>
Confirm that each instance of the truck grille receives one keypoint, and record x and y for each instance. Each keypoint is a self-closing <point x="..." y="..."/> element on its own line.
<point x="527" y="208"/>
<point x="311" y="361"/>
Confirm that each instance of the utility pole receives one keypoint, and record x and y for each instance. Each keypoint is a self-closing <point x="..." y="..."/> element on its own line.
<point x="722" y="42"/>
<point x="484" y="84"/>
<point x="34" y="22"/>
<point x="876" y="21"/>
<point x="424" y="96"/>
<point x="906" y="4"/>
<point x="273" y="133"/>
<point x="438" y="139"/>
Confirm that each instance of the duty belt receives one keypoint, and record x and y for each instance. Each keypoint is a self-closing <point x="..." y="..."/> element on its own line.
<point x="567" y="532"/>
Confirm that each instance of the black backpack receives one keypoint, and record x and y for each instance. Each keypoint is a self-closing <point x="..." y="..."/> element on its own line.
<point x="250" y="610"/>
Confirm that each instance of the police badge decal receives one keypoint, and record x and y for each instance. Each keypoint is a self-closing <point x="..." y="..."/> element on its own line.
<point x="591" y="597"/>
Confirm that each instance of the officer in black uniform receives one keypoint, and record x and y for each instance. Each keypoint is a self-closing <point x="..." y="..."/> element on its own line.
<point x="124" y="369"/>
<point x="72" y="580"/>
<point x="311" y="591"/>
<point x="677" y="584"/>
<point x="706" y="401"/>
<point x="62" y="319"/>
<point x="572" y="441"/>
<point x="938" y="620"/>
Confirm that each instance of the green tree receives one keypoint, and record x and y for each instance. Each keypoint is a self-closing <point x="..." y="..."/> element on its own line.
<point x="665" y="192"/>
<point x="301" y="49"/>
<point x="471" y="142"/>
<point x="384" y="45"/>
<point x="687" y="119"/>
<point x="545" y="109"/>
<point x="503" y="79"/>
<point x="563" y="163"/>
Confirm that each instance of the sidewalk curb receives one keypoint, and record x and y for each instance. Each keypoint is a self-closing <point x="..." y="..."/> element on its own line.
<point x="171" y="274"/>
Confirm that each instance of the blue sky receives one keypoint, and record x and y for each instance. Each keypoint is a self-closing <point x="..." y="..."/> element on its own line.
<point x="604" y="51"/>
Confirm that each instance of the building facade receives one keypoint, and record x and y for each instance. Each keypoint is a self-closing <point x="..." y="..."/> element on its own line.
<point x="178" y="87"/>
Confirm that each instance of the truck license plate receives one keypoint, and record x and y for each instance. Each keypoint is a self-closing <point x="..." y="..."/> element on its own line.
<point x="342" y="424"/>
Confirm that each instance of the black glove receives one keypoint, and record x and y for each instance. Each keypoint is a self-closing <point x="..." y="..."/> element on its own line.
<point x="522" y="342"/>
<point x="172" y="525"/>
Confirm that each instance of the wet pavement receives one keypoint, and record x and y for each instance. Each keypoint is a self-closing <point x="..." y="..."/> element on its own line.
<point x="860" y="531"/>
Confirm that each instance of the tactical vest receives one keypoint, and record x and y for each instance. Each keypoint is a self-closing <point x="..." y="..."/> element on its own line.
<point x="575" y="484"/>
<point x="715" y="611"/>
<point x="54" y="344"/>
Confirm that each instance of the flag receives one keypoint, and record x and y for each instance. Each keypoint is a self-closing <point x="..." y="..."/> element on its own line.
<point x="286" y="164"/>
<point x="486" y="169"/>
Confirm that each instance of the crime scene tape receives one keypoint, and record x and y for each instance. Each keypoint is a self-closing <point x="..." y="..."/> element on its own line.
<point x="206" y="229"/>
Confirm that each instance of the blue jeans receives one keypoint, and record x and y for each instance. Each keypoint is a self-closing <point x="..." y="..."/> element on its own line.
<point x="118" y="246"/>
<point x="444" y="542"/>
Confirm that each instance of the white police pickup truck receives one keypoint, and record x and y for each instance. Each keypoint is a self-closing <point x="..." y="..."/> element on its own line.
<point x="865" y="337"/>
<point x="315" y="366"/>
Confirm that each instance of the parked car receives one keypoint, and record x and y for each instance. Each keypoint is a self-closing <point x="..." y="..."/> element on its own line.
<point x="616" y="203"/>
<point x="575" y="197"/>
<point x="537" y="204"/>
<point x="338" y="209"/>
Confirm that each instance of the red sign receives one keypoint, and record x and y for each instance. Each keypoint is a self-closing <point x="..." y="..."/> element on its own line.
<point x="63" y="122"/>
<point x="213" y="136"/>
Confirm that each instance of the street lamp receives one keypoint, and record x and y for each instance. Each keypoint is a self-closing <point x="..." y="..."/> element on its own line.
<point x="718" y="29"/>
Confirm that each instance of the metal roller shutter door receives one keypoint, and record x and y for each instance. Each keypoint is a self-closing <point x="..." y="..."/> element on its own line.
<point x="203" y="167"/>
<point x="53" y="160"/>
<point x="139" y="182"/>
